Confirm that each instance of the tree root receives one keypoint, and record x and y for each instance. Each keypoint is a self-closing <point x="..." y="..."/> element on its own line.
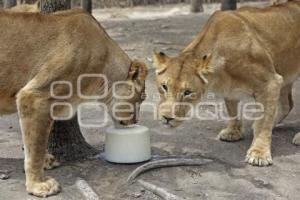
<point x="170" y="162"/>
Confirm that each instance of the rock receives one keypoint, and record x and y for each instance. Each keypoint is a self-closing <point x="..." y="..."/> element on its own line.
<point x="137" y="195"/>
<point x="149" y="59"/>
<point x="164" y="26"/>
<point x="162" y="42"/>
<point x="262" y="182"/>
<point x="4" y="176"/>
<point x="142" y="190"/>
<point x="129" y="49"/>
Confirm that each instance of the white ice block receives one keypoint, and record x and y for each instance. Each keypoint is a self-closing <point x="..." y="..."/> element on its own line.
<point x="127" y="145"/>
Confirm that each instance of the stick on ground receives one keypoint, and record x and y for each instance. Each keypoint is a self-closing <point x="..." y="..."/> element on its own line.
<point x="5" y="171"/>
<point x="161" y="192"/>
<point x="86" y="190"/>
<point x="170" y="162"/>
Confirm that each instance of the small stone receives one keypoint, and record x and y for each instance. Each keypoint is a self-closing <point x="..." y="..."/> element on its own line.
<point x="149" y="59"/>
<point x="262" y="181"/>
<point x="137" y="195"/>
<point x="142" y="190"/>
<point x="164" y="26"/>
<point x="69" y="176"/>
<point x="162" y="42"/>
<point x="129" y="49"/>
<point x="4" y="176"/>
<point x="179" y="189"/>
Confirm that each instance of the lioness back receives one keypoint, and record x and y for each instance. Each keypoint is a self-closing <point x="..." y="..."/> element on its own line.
<point x="277" y="29"/>
<point x="265" y="32"/>
<point x="277" y="26"/>
<point x="29" y="40"/>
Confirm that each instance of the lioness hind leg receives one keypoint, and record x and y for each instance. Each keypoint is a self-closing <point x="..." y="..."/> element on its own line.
<point x="285" y="103"/>
<point x="233" y="131"/>
<point x="50" y="162"/>
<point x="296" y="139"/>
<point x="34" y="108"/>
<point x="260" y="151"/>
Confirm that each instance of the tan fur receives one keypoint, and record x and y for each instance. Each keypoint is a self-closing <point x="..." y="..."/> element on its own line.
<point x="252" y="52"/>
<point x="37" y="50"/>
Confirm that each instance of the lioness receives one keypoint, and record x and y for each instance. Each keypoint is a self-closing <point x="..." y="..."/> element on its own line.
<point x="250" y="51"/>
<point x="42" y="59"/>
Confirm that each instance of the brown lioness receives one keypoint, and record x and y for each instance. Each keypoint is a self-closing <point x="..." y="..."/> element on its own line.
<point x="58" y="59"/>
<point x="251" y="51"/>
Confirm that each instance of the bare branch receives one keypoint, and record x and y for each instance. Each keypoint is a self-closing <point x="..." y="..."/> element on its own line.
<point x="161" y="192"/>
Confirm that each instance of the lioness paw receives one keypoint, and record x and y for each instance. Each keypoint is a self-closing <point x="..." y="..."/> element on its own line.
<point x="296" y="139"/>
<point x="230" y="135"/>
<point x="259" y="157"/>
<point x="43" y="189"/>
<point x="50" y="162"/>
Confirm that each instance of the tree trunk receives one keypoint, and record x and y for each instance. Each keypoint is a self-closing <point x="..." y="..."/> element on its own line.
<point x="66" y="141"/>
<point x="9" y="3"/>
<point x="197" y="6"/>
<point x="74" y="3"/>
<point x="87" y="5"/>
<point x="228" y="5"/>
<point x="49" y="6"/>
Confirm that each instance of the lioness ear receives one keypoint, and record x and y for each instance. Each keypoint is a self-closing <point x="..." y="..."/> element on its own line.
<point x="208" y="65"/>
<point x="138" y="72"/>
<point x="38" y="4"/>
<point x="159" y="60"/>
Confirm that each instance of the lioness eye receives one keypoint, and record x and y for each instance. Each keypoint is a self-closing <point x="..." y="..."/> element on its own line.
<point x="165" y="87"/>
<point x="187" y="92"/>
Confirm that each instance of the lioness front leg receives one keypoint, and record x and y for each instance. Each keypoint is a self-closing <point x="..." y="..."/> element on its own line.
<point x="260" y="151"/>
<point x="34" y="109"/>
<point x="233" y="131"/>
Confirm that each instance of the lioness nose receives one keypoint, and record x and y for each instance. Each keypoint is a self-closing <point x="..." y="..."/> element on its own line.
<point x="168" y="118"/>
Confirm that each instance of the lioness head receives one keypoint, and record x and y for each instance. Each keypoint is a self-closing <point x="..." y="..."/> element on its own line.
<point x="181" y="82"/>
<point x="128" y="95"/>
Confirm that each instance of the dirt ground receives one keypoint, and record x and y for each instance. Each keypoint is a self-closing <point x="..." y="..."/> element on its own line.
<point x="227" y="177"/>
